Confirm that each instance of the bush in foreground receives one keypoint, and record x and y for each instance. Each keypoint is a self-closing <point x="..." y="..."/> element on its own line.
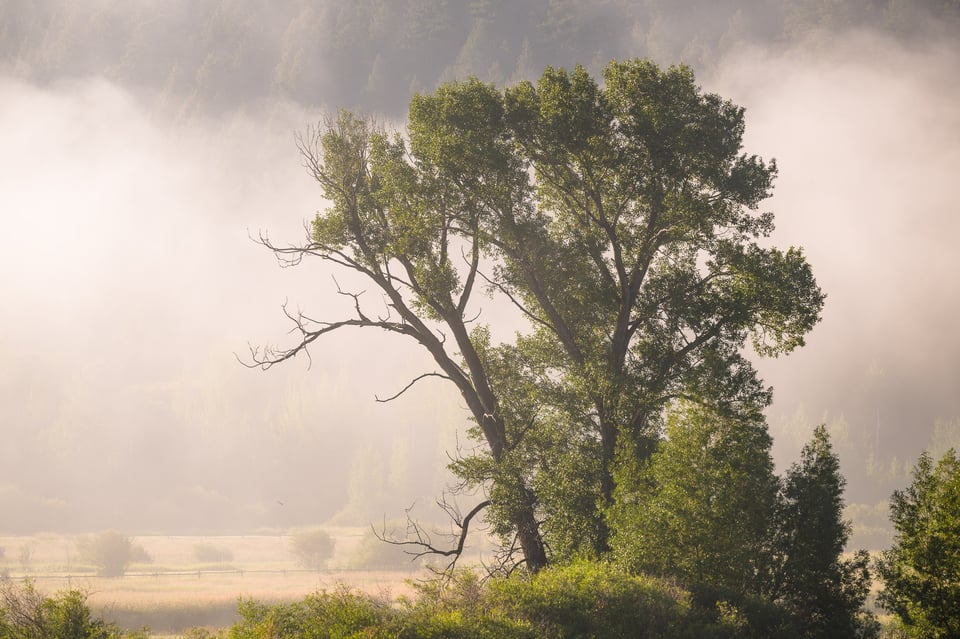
<point x="589" y="600"/>
<point x="326" y="614"/>
<point x="26" y="613"/>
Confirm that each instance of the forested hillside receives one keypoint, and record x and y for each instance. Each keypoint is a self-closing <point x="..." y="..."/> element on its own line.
<point x="373" y="54"/>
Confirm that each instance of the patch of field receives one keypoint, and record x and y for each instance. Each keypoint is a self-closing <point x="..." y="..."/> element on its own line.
<point x="197" y="594"/>
<point x="175" y="603"/>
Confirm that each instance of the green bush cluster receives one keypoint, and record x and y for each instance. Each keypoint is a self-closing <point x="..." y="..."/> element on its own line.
<point x="589" y="600"/>
<point x="25" y="613"/>
<point x="592" y="600"/>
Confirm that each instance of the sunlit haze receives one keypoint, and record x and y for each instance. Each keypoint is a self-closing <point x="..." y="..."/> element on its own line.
<point x="130" y="285"/>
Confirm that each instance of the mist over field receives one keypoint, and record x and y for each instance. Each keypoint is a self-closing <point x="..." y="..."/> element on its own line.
<point x="132" y="181"/>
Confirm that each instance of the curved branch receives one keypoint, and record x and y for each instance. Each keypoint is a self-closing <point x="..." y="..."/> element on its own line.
<point x="409" y="386"/>
<point x="268" y="356"/>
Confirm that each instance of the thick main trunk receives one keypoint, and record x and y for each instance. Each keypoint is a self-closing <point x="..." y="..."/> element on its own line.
<point x="608" y="446"/>
<point x="484" y="404"/>
<point x="528" y="534"/>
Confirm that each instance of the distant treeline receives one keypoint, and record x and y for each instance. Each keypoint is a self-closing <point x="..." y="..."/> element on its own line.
<point x="203" y="452"/>
<point x="373" y="54"/>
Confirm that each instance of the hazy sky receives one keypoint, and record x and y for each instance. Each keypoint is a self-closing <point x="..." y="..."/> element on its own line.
<point x="867" y="138"/>
<point x="127" y="272"/>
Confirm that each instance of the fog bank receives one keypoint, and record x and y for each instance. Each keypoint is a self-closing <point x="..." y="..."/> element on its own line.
<point x="129" y="282"/>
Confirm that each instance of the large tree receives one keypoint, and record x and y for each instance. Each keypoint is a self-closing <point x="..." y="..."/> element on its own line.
<point x="622" y="219"/>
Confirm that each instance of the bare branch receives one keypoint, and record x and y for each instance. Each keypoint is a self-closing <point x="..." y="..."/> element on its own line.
<point x="474" y="318"/>
<point x="355" y="296"/>
<point x="409" y="386"/>
<point x="268" y="356"/>
<point x="423" y="541"/>
<point x="504" y="563"/>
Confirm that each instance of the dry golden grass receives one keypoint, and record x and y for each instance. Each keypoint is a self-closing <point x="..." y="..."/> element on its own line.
<point x="148" y="596"/>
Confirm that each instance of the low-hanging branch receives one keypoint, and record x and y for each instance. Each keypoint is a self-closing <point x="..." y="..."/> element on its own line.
<point x="424" y="542"/>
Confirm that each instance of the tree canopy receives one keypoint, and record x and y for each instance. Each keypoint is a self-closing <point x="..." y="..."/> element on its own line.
<point x="621" y="218"/>
<point x="701" y="510"/>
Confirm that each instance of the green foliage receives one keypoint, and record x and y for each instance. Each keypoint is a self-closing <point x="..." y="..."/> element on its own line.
<point x="635" y="182"/>
<point x="707" y="510"/>
<point x="328" y="615"/>
<point x="110" y="552"/>
<point x="588" y="600"/>
<point x="810" y="578"/>
<point x="622" y="219"/>
<point x="921" y="572"/>
<point x="26" y="613"/>
<point x="312" y="548"/>
<point x="721" y="612"/>
<point x="701" y="510"/>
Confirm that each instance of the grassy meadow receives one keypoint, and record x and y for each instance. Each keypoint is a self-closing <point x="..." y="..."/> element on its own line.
<point x="176" y="591"/>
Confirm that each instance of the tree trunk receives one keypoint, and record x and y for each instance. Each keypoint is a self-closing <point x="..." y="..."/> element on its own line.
<point x="528" y="533"/>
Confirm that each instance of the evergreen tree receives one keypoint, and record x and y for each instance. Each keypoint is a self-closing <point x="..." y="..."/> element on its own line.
<point x="823" y="591"/>
<point x="702" y="511"/>
<point x="921" y="572"/>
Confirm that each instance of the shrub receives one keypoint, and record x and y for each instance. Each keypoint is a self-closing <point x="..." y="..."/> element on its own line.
<point x="110" y="552"/>
<point x="589" y="599"/>
<point x="330" y="615"/>
<point x="722" y="612"/>
<point x="139" y="555"/>
<point x="312" y="548"/>
<point x="26" y="613"/>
